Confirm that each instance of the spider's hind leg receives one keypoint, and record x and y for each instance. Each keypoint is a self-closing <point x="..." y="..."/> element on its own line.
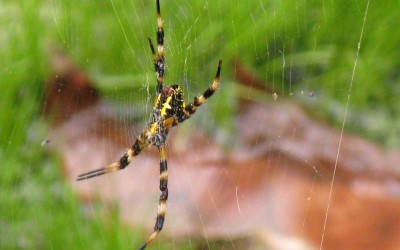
<point x="192" y="107"/>
<point x="158" y="57"/>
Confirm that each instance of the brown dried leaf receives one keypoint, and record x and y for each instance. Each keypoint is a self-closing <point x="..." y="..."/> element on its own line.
<point x="274" y="186"/>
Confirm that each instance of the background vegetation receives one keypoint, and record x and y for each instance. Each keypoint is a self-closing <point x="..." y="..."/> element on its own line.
<point x="295" y="46"/>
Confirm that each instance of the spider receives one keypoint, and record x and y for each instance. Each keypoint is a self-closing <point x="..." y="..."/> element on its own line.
<point x="169" y="110"/>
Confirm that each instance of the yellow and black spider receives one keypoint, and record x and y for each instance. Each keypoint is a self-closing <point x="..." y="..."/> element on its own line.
<point x="169" y="110"/>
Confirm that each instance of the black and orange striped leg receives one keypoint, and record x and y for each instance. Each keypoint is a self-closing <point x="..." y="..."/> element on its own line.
<point x="136" y="148"/>
<point x="162" y="204"/>
<point x="192" y="107"/>
<point x="158" y="56"/>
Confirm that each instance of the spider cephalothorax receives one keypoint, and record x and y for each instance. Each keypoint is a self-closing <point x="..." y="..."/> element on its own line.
<point x="169" y="110"/>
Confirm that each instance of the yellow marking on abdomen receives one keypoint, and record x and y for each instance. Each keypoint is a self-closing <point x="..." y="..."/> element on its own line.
<point x="153" y="128"/>
<point x="157" y="101"/>
<point x="168" y="122"/>
<point x="166" y="106"/>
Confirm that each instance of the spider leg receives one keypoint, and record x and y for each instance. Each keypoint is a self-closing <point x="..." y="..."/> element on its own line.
<point x="124" y="161"/>
<point x="158" y="57"/>
<point x="192" y="107"/>
<point x="162" y="204"/>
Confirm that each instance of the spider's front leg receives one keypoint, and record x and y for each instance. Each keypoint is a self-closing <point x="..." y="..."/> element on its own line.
<point x="162" y="203"/>
<point x="137" y="147"/>
<point x="192" y="107"/>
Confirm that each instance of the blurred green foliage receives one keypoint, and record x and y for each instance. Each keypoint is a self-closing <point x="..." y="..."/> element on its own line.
<point x="295" y="46"/>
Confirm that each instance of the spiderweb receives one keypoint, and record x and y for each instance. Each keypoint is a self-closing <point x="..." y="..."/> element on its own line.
<point x="256" y="167"/>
